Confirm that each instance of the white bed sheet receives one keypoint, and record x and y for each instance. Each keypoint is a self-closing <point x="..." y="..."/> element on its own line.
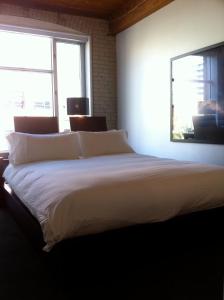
<point x="78" y="197"/>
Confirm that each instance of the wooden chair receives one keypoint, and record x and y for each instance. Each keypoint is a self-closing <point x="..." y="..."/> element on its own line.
<point x="88" y="123"/>
<point x="36" y="125"/>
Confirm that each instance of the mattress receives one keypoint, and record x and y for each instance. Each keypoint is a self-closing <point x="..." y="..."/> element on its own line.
<point x="71" y="198"/>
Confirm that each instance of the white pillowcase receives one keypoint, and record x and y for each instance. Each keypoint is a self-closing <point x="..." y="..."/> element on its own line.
<point x="103" y="143"/>
<point x="26" y="147"/>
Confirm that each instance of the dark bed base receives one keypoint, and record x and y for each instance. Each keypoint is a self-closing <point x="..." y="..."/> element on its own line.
<point x="23" y="218"/>
<point x="198" y="229"/>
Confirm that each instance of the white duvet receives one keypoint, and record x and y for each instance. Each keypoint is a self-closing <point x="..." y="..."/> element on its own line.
<point x="78" y="197"/>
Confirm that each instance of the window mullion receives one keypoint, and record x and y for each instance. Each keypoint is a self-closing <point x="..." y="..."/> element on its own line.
<point x="55" y="80"/>
<point x="26" y="70"/>
<point x="83" y="70"/>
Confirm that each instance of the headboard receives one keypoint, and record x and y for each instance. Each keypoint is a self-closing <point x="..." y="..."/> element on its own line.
<point x="35" y="125"/>
<point x="88" y="123"/>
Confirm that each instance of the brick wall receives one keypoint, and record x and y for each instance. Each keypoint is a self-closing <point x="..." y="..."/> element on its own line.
<point x="103" y="54"/>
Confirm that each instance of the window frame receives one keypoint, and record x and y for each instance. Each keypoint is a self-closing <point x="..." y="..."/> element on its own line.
<point x="54" y="65"/>
<point x="86" y="61"/>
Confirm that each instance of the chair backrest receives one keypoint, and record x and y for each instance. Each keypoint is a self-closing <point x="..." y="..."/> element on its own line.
<point x="36" y="125"/>
<point x="88" y="123"/>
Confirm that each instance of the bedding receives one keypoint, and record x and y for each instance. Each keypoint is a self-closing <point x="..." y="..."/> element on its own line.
<point x="78" y="197"/>
<point x="25" y="147"/>
<point x="103" y="143"/>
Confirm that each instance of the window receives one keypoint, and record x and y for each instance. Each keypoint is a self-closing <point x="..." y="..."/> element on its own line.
<point x="70" y="77"/>
<point x="37" y="74"/>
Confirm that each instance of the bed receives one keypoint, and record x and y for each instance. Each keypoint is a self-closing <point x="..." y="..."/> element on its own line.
<point x="26" y="221"/>
<point x="110" y="194"/>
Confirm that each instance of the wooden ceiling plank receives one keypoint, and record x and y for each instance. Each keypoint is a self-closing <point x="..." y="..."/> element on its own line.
<point x="89" y="8"/>
<point x="61" y="8"/>
<point x="137" y="10"/>
<point x="122" y="14"/>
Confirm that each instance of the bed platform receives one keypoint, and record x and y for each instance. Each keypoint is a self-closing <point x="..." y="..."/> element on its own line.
<point x="23" y="218"/>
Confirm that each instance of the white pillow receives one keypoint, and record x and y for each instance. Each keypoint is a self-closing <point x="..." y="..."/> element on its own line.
<point x="24" y="147"/>
<point x="103" y="143"/>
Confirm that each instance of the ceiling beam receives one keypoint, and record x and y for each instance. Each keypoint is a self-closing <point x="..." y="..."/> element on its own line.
<point x="132" y="12"/>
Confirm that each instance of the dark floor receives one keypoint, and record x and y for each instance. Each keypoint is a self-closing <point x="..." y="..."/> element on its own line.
<point x="191" y="273"/>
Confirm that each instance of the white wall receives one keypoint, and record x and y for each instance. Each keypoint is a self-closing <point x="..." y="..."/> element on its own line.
<point x="143" y="67"/>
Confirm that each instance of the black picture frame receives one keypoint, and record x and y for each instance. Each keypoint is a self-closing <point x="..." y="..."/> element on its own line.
<point x="205" y="133"/>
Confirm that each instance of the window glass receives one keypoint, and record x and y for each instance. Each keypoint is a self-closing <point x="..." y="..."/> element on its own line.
<point x="23" y="94"/>
<point x="32" y="69"/>
<point x="69" y="78"/>
<point x="25" y="51"/>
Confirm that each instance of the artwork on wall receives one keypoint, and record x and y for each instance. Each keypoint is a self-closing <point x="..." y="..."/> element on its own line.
<point x="197" y="96"/>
